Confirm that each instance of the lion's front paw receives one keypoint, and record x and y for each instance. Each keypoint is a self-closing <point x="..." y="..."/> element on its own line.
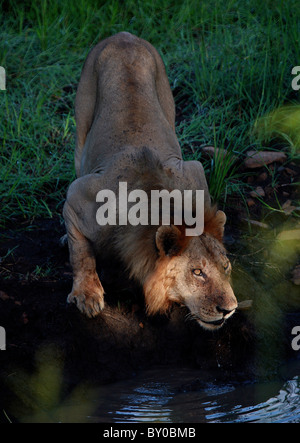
<point x="89" y="302"/>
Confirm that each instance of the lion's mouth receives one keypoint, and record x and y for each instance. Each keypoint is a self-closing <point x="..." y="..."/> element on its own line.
<point x="215" y="324"/>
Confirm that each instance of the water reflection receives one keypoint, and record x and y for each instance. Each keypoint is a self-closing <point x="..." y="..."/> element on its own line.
<point x="162" y="402"/>
<point x="284" y="407"/>
<point x="147" y="404"/>
<point x="135" y="401"/>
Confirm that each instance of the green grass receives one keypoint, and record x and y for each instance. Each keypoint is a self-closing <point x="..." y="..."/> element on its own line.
<point x="229" y="65"/>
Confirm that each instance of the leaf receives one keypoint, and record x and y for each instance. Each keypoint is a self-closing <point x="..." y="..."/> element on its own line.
<point x="259" y="192"/>
<point x="258" y="159"/>
<point x="257" y="223"/>
<point x="288" y="208"/>
<point x="211" y="151"/>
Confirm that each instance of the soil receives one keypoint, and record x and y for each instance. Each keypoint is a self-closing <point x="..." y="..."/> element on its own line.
<point x="36" y="279"/>
<point x="35" y="314"/>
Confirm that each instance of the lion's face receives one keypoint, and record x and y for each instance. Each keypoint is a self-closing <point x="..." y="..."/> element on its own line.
<point x="200" y="281"/>
<point x="195" y="273"/>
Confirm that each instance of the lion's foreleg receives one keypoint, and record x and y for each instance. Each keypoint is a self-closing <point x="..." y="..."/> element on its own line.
<point x="87" y="292"/>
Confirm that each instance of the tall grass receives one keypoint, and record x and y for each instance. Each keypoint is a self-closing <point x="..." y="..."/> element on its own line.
<point x="229" y="64"/>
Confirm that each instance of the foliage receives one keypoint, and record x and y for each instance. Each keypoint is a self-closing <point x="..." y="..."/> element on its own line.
<point x="229" y="64"/>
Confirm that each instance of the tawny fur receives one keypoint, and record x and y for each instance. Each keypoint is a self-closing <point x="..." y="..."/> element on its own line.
<point x="125" y="132"/>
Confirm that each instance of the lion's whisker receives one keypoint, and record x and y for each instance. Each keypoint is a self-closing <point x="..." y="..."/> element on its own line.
<point x="190" y="316"/>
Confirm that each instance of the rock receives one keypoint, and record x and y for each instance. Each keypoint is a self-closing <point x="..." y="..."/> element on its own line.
<point x="257" y="159"/>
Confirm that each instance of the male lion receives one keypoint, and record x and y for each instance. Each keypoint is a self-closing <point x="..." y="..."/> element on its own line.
<point x="125" y="116"/>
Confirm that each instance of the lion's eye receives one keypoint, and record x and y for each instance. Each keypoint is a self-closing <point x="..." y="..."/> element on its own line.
<point x="198" y="273"/>
<point x="226" y="267"/>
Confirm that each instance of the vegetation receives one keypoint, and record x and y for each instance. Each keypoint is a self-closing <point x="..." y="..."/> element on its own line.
<point x="229" y="65"/>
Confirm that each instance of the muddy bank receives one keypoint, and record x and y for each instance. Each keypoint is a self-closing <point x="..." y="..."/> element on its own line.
<point x="52" y="349"/>
<point x="116" y="344"/>
<point x="121" y="341"/>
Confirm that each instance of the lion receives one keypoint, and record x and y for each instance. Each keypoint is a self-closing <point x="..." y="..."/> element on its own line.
<point x="125" y="132"/>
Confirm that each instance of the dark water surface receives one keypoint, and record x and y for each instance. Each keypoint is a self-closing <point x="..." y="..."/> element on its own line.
<point x="163" y="396"/>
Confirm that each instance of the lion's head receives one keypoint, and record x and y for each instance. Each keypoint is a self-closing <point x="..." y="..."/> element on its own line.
<point x="193" y="271"/>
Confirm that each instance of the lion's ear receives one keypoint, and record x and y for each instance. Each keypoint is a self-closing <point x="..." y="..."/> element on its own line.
<point x="215" y="225"/>
<point x="169" y="240"/>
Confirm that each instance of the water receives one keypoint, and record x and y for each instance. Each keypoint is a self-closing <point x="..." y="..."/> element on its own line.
<point x="165" y="395"/>
<point x="157" y="396"/>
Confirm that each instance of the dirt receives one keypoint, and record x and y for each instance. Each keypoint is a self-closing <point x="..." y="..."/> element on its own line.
<point x="35" y="314"/>
<point x="36" y="279"/>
